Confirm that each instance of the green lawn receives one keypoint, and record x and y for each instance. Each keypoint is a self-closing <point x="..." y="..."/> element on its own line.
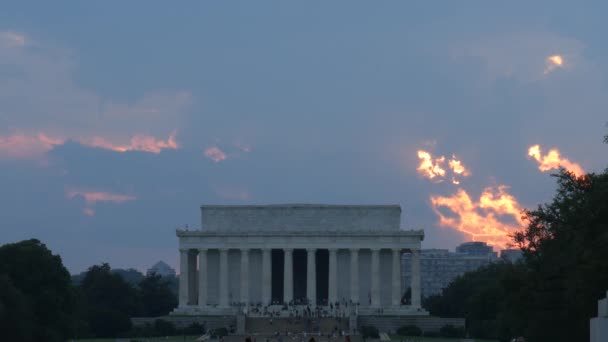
<point x="151" y="339"/>
<point x="397" y="338"/>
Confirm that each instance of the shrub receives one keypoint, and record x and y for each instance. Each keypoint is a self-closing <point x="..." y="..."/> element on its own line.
<point x="219" y="332"/>
<point x="409" y="330"/>
<point x="164" y="328"/>
<point x="194" y="329"/>
<point x="369" y="331"/>
<point x="449" y="330"/>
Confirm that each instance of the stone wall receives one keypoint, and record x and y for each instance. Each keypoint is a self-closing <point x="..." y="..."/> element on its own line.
<point x="300" y="217"/>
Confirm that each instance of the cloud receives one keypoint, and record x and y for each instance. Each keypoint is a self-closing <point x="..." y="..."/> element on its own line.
<point x="93" y="197"/>
<point x="42" y="106"/>
<point x="553" y="160"/>
<point x="11" y="39"/>
<point x="433" y="169"/>
<point x="215" y="154"/>
<point x="483" y="219"/>
<point x="526" y="56"/>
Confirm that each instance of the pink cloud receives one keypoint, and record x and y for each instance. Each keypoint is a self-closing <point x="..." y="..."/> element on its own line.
<point x="215" y="154"/>
<point x="93" y="197"/>
<point x="20" y="145"/>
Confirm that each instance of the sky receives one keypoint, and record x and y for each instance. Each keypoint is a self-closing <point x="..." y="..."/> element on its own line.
<point x="119" y="119"/>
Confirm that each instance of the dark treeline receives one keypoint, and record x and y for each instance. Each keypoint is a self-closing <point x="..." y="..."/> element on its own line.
<point x="40" y="302"/>
<point x="552" y="293"/>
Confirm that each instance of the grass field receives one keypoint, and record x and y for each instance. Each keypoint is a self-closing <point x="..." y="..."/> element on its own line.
<point x="151" y="339"/>
<point x="395" y="338"/>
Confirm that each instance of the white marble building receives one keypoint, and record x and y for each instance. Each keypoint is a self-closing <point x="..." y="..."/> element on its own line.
<point x="254" y="255"/>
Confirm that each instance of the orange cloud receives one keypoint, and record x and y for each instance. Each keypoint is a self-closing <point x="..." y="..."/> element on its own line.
<point x="553" y="62"/>
<point x="553" y="160"/>
<point x="215" y="154"/>
<point x="481" y="220"/>
<point x="433" y="168"/>
<point x="429" y="167"/>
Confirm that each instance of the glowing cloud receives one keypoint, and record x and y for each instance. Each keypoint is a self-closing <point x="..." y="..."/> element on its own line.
<point x="481" y="220"/>
<point x="458" y="169"/>
<point x="429" y="167"/>
<point x="215" y="154"/>
<point x="93" y="197"/>
<point x="23" y="146"/>
<point x="553" y="160"/>
<point x="27" y="146"/>
<point x="138" y="142"/>
<point x="434" y="169"/>
<point x="553" y="62"/>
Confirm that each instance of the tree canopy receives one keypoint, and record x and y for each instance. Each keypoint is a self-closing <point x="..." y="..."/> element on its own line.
<point x="37" y="301"/>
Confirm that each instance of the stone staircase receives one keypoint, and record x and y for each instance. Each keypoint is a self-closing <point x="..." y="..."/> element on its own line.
<point x="262" y="326"/>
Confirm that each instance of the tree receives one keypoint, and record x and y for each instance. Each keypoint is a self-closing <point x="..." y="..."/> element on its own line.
<point x="110" y="301"/>
<point x="36" y="295"/>
<point x="564" y="246"/>
<point x="156" y="296"/>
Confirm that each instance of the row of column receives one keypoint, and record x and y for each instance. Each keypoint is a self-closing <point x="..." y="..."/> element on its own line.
<point x="288" y="277"/>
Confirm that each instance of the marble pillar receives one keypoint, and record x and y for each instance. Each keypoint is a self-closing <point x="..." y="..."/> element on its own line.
<point x="354" y="275"/>
<point x="396" y="280"/>
<point x="223" y="278"/>
<point x="332" y="293"/>
<point x="375" y="288"/>
<point x="266" y="276"/>
<point x="245" y="276"/>
<point x="202" y="277"/>
<point x="415" y="286"/>
<point x="183" y="277"/>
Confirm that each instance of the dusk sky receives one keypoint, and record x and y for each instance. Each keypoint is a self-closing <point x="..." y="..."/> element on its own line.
<point x="119" y="119"/>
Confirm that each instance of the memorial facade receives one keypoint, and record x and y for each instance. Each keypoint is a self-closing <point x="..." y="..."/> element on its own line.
<point x="313" y="255"/>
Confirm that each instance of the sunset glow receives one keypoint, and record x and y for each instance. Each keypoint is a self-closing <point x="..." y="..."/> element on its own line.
<point x="481" y="220"/>
<point x="553" y="62"/>
<point x="429" y="167"/>
<point x="20" y="145"/>
<point x="24" y="146"/>
<point x="215" y="154"/>
<point x="553" y="160"/>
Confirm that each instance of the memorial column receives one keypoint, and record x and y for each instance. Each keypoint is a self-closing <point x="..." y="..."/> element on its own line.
<point x="354" y="275"/>
<point x="396" y="298"/>
<point x="332" y="293"/>
<point x="202" y="277"/>
<point x="183" y="278"/>
<point x="288" y="276"/>
<point x="375" y="290"/>
<point x="223" y="278"/>
<point x="266" y="276"/>
<point x="245" y="276"/>
<point x="415" y="278"/>
<point x="311" y="277"/>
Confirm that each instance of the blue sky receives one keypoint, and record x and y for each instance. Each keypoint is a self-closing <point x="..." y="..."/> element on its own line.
<point x="119" y="119"/>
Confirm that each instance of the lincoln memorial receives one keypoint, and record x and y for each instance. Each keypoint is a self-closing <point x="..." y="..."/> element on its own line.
<point x="321" y="256"/>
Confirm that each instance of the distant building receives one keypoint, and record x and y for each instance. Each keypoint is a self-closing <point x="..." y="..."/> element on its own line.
<point x="162" y="269"/>
<point x="439" y="267"/>
<point x="511" y="255"/>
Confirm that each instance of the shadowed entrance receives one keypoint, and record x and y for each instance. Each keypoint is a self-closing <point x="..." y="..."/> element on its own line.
<point x="277" y="275"/>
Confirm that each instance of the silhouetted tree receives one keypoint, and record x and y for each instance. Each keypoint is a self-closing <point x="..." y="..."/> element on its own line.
<point x="110" y="301"/>
<point x="156" y="296"/>
<point x="36" y="295"/>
